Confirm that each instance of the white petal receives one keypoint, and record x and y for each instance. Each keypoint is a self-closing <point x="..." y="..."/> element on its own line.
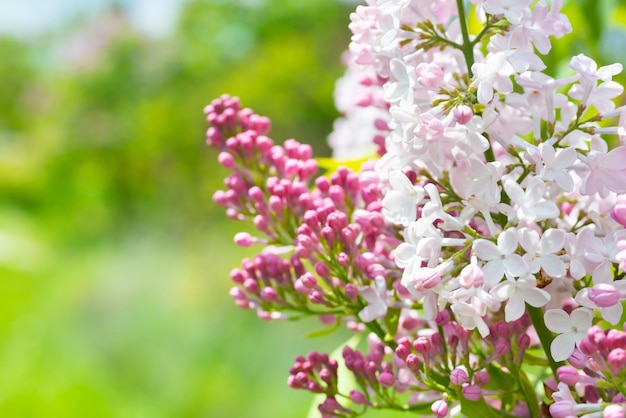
<point x="504" y="290"/>
<point x="581" y="319"/>
<point x="486" y="250"/>
<point x="507" y="241"/>
<point x="552" y="265"/>
<point x="557" y="320"/>
<point x="515" y="265"/>
<point x="536" y="297"/>
<point x="563" y="346"/>
<point x="613" y="314"/>
<point x="514" y="309"/>
<point x="552" y="240"/>
<point x="493" y="271"/>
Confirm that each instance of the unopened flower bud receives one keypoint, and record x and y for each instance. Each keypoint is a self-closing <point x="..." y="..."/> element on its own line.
<point x="618" y="213"/>
<point x="604" y="295"/>
<point x="472" y="392"/>
<point x="462" y="114"/>
<point x="440" y="408"/>
<point x="387" y="379"/>
<point x="568" y="375"/>
<point x="617" y="360"/>
<point x="358" y="397"/>
<point x="614" y="411"/>
<point x="458" y="377"/>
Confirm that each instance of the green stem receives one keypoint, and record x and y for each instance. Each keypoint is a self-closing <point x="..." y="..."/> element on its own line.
<point x="545" y="336"/>
<point x="468" y="47"/>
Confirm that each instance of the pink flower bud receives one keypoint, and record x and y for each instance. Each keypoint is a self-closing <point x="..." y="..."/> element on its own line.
<point x="440" y="408"/>
<point x="617" y="339"/>
<point x="591" y="394"/>
<point x="337" y="194"/>
<point x="358" y="397"/>
<point x="462" y="114"/>
<point x="443" y="318"/>
<point x="244" y="239"/>
<point x="251" y="286"/>
<point x="343" y="259"/>
<point x="562" y="409"/>
<point x="413" y="362"/>
<point x="617" y="360"/>
<point x="226" y="160"/>
<point x="618" y="213"/>
<point x="614" y="411"/>
<point x="587" y="346"/>
<point x="472" y="392"/>
<point x="276" y="203"/>
<point x="402" y="351"/>
<point x="502" y="347"/>
<point x="523" y="342"/>
<point x="458" y="377"/>
<point x="429" y="75"/>
<point x="387" y="379"/>
<point x="237" y="294"/>
<point x="269" y="294"/>
<point x="577" y="359"/>
<point x="482" y="377"/>
<point x="409" y="323"/>
<point x="471" y="275"/>
<point x="422" y="345"/>
<point x="568" y="375"/>
<point x="604" y="295"/>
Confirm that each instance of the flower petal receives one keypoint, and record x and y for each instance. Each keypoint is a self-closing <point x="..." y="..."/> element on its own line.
<point x="557" y="320"/>
<point x="563" y="346"/>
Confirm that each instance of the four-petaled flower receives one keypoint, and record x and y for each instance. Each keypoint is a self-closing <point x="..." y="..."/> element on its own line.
<point x="571" y="329"/>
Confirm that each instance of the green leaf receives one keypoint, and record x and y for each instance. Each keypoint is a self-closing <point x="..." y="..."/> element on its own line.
<point x="534" y="360"/>
<point x="477" y="409"/>
<point x="498" y="377"/>
<point x="529" y="394"/>
<point x="326" y="331"/>
<point x="391" y="320"/>
<point x="331" y="165"/>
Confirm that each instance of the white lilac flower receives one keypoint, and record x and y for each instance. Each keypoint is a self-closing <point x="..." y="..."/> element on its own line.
<point x="501" y="258"/>
<point x="571" y="329"/>
<point x="376" y="297"/>
<point x="494" y="73"/>
<point x="400" y="203"/>
<point x="531" y="204"/>
<point x="517" y="293"/>
<point x="541" y="252"/>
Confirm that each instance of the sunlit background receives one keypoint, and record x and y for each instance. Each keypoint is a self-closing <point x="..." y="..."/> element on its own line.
<point x="114" y="261"/>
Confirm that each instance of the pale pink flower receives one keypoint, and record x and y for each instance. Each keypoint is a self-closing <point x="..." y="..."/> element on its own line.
<point x="531" y="204"/>
<point x="607" y="172"/>
<point x="493" y="73"/>
<point x="513" y="10"/>
<point x="376" y="297"/>
<point x="471" y="316"/>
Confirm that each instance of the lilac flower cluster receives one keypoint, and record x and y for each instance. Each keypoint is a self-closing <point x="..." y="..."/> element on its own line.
<point x="332" y="228"/>
<point x="484" y="240"/>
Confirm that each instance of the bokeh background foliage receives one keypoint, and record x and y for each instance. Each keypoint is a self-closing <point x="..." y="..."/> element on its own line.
<point x="113" y="259"/>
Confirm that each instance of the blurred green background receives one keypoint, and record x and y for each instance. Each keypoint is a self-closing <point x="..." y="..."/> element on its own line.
<point x="114" y="261"/>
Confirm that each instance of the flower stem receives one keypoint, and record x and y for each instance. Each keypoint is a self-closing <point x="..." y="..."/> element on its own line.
<point x="545" y="336"/>
<point x="468" y="47"/>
